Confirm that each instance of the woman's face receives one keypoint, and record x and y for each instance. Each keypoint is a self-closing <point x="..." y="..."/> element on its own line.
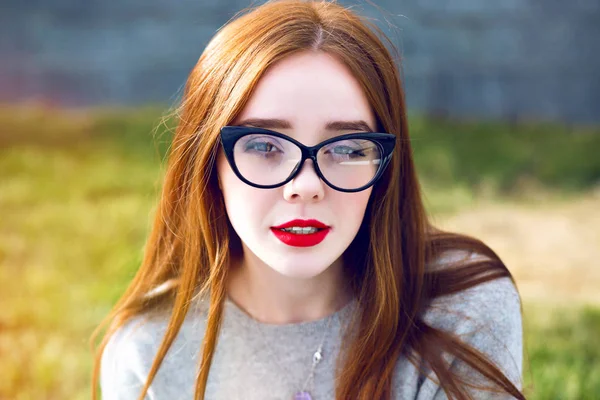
<point x="305" y="92"/>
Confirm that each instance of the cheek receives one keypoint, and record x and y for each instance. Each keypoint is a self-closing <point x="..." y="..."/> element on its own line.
<point x="246" y="206"/>
<point x="352" y="206"/>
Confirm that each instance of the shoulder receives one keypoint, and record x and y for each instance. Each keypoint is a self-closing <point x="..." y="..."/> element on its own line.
<point x="487" y="317"/>
<point x="128" y="356"/>
<point x="495" y="302"/>
<point x="491" y="309"/>
<point x="131" y="349"/>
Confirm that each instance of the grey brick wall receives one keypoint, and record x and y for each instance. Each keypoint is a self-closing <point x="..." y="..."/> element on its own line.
<point x="511" y="58"/>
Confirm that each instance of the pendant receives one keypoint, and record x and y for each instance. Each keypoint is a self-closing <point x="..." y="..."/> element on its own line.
<point x="302" y="396"/>
<point x="317" y="357"/>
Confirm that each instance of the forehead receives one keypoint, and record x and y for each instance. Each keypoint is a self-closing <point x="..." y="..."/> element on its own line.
<point x="308" y="92"/>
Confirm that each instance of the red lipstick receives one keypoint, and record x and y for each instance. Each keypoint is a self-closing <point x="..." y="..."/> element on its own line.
<point x="300" y="239"/>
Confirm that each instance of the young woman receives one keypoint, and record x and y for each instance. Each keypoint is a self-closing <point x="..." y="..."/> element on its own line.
<point x="290" y="256"/>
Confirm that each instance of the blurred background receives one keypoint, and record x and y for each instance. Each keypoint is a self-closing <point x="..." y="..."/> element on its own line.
<point x="504" y="111"/>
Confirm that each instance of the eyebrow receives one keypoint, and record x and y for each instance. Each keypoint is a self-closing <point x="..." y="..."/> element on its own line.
<point x="275" y="123"/>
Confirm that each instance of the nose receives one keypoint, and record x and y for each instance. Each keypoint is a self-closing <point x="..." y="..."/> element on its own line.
<point x="306" y="186"/>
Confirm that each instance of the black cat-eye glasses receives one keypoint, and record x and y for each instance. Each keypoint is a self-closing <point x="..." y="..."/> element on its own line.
<point x="267" y="159"/>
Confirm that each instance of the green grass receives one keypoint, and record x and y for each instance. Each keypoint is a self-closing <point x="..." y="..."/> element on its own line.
<point x="76" y="194"/>
<point x="563" y="360"/>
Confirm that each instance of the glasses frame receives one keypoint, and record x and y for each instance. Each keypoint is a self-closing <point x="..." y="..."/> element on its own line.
<point x="231" y="134"/>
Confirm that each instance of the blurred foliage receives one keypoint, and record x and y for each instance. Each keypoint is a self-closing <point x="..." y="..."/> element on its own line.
<point x="562" y="359"/>
<point x="510" y="157"/>
<point x="77" y="191"/>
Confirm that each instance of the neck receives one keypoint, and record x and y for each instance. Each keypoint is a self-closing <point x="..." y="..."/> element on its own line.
<point x="273" y="298"/>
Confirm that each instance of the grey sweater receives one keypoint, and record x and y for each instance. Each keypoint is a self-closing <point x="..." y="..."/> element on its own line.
<point x="261" y="361"/>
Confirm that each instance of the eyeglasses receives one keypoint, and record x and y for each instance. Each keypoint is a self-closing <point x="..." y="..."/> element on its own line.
<point x="266" y="159"/>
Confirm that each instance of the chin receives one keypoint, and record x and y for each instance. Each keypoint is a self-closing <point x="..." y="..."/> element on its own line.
<point x="301" y="270"/>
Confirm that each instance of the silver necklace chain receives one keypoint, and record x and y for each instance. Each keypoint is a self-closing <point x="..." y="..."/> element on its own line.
<point x="317" y="355"/>
<point x="316" y="359"/>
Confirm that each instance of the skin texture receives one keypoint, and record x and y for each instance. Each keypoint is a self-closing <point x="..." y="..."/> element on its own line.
<point x="274" y="282"/>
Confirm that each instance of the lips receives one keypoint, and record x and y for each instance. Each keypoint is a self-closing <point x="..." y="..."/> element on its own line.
<point x="301" y="240"/>
<point x="303" y="223"/>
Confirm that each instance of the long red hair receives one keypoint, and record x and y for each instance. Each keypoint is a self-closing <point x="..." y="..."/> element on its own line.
<point x="191" y="241"/>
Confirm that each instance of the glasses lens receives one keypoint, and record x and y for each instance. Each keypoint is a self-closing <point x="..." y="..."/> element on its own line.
<point x="265" y="159"/>
<point x="349" y="163"/>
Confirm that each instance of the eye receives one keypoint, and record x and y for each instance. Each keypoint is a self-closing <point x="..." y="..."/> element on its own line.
<point x="347" y="150"/>
<point x="262" y="144"/>
<point x="265" y="147"/>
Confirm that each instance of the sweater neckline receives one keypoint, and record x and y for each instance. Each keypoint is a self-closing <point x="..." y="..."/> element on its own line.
<point x="241" y="316"/>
